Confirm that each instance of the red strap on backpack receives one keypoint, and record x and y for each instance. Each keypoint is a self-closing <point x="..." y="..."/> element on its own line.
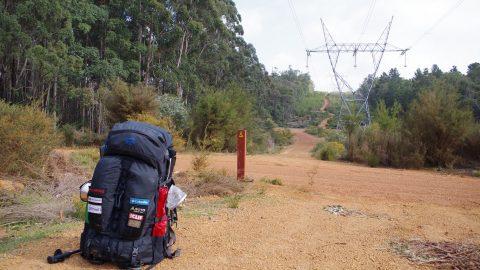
<point x="160" y="227"/>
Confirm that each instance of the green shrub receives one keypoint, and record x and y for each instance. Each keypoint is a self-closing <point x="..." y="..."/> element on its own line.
<point x="79" y="209"/>
<point x="385" y="146"/>
<point x="172" y="107"/>
<point x="333" y="135"/>
<point x="217" y="116"/>
<point x="124" y="101"/>
<point x="373" y="160"/>
<point x="476" y="173"/>
<point x="315" y="131"/>
<point x="88" y="138"/>
<point x="68" y="134"/>
<point x="471" y="148"/>
<point x="438" y="122"/>
<point x="272" y="181"/>
<point x="233" y="201"/>
<point x="328" y="151"/>
<point x="282" y="136"/>
<point x="27" y="135"/>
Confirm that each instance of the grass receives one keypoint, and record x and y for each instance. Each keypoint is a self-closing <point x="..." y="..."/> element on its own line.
<point x="233" y="201"/>
<point x="86" y="158"/>
<point x="476" y="173"/>
<point x="209" y="182"/>
<point x="28" y="232"/>
<point x="272" y="181"/>
<point x="201" y="208"/>
<point x="79" y="209"/>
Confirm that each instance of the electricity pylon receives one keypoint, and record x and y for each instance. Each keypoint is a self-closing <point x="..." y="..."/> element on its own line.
<point x="355" y="102"/>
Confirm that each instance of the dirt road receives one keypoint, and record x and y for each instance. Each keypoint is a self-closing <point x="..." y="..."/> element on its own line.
<point x="326" y="104"/>
<point x="285" y="227"/>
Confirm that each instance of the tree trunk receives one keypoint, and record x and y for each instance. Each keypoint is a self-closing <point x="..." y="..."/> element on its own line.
<point x="55" y="86"/>
<point x="149" y="59"/>
<point x="139" y="40"/>
<point x="179" y="90"/>
<point x="179" y="61"/>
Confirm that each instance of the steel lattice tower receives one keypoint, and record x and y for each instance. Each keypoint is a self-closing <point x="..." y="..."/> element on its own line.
<point x="354" y="102"/>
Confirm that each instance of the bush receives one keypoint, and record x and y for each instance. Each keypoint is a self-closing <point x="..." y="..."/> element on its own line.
<point x="124" y="101"/>
<point x="216" y="118"/>
<point x="373" y="160"/>
<point x="387" y="146"/>
<point x="209" y="182"/>
<point x="200" y="161"/>
<point x="68" y="134"/>
<point x="165" y="123"/>
<point x="328" y="151"/>
<point x="79" y="209"/>
<point x="282" y="136"/>
<point x="333" y="135"/>
<point x="233" y="201"/>
<point x="87" y="137"/>
<point x="272" y="181"/>
<point x="172" y="107"/>
<point x="315" y="131"/>
<point x="471" y="148"/>
<point x="27" y="135"/>
<point x="438" y="122"/>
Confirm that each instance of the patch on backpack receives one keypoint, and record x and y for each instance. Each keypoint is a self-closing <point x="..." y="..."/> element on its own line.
<point x="94" y="200"/>
<point x="138" y="201"/>
<point x="135" y="216"/>
<point x="134" y="223"/>
<point x="137" y="210"/>
<point x="94" y="209"/>
<point x="130" y="141"/>
<point x="97" y="191"/>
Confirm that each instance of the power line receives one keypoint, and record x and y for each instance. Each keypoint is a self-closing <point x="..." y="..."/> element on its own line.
<point x="445" y="15"/>
<point x="297" y="22"/>
<point x="367" y="18"/>
<point x="352" y="101"/>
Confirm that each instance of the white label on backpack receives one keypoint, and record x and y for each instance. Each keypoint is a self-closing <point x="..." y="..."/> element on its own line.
<point x="94" y="200"/>
<point x="94" y="209"/>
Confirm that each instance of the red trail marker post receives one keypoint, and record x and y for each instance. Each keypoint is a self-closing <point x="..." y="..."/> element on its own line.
<point x="241" y="153"/>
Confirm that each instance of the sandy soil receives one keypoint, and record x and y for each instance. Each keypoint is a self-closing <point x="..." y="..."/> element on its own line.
<point x="285" y="227"/>
<point x="326" y="104"/>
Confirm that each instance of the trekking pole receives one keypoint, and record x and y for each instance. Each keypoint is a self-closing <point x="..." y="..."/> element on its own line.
<point x="60" y="256"/>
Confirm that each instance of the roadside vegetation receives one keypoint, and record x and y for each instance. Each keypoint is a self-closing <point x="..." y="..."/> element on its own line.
<point x="430" y="120"/>
<point x="27" y="135"/>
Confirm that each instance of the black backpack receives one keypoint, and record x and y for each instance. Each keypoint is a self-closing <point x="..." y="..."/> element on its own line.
<point x="127" y="221"/>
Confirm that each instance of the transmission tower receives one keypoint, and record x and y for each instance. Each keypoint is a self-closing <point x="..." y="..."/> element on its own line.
<point x="355" y="102"/>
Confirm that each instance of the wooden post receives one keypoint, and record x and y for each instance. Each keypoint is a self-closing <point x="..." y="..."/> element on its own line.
<point x="241" y="153"/>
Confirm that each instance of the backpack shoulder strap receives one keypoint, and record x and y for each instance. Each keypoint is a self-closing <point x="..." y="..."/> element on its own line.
<point x="126" y="163"/>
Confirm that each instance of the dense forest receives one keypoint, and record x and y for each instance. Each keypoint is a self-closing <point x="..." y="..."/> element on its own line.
<point x="66" y="55"/>
<point x="391" y="87"/>
<point x="183" y="65"/>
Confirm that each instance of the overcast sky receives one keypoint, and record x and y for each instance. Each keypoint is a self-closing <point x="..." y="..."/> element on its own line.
<point x="270" y="27"/>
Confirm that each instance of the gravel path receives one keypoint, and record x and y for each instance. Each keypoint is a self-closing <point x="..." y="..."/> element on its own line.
<point x="286" y="227"/>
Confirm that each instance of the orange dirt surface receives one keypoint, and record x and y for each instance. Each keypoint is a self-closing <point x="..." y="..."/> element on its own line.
<point x="285" y="227"/>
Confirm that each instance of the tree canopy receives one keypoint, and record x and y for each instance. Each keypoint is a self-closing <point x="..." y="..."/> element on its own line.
<point x="62" y="53"/>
